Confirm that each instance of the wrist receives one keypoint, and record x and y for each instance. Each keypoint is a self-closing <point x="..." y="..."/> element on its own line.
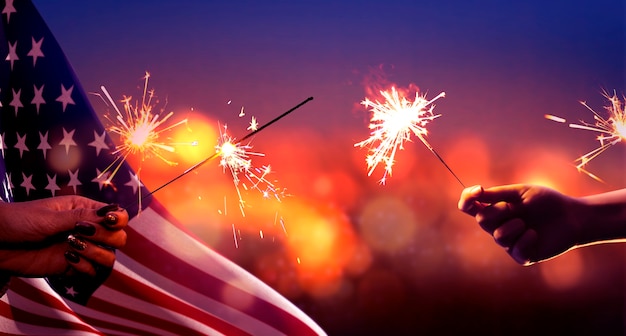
<point x="602" y="219"/>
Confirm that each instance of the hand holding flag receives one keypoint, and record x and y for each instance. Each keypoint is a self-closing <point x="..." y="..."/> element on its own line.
<point x="165" y="281"/>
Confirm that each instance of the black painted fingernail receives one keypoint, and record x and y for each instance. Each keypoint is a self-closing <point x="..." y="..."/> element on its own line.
<point x="72" y="257"/>
<point x="85" y="229"/>
<point x="110" y="219"/>
<point x="110" y="207"/>
<point x="76" y="243"/>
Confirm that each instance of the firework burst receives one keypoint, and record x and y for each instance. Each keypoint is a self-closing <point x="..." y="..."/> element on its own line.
<point x="612" y="130"/>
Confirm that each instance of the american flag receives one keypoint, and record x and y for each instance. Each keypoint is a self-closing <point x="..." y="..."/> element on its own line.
<point x="165" y="281"/>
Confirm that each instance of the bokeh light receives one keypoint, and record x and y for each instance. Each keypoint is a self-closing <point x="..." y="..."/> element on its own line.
<point x="387" y="224"/>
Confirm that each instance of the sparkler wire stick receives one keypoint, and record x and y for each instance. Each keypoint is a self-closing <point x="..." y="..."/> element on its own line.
<point x="432" y="149"/>
<point x="247" y="136"/>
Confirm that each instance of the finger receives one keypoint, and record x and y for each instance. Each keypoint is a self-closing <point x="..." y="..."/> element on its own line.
<point x="509" y="232"/>
<point x="523" y="252"/>
<point x="100" y="235"/>
<point x="468" y="201"/>
<point x="110" y="216"/>
<point x="507" y="193"/>
<point x="60" y="214"/>
<point x="78" y="264"/>
<point x="68" y="202"/>
<point x="91" y="252"/>
<point x="491" y="217"/>
<point x="114" y="218"/>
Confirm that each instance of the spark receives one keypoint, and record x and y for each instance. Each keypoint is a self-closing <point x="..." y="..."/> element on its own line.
<point x="612" y="130"/>
<point x="140" y="131"/>
<point x="254" y="125"/>
<point x="235" y="237"/>
<point x="282" y="224"/>
<point x="392" y="123"/>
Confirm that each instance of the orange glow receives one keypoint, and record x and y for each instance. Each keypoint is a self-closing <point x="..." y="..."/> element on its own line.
<point x="202" y="133"/>
<point x="475" y="249"/>
<point x="471" y="159"/>
<point x="546" y="167"/>
<point x="564" y="273"/>
<point x="280" y="273"/>
<point x="323" y="240"/>
<point x="360" y="260"/>
<point x="338" y="187"/>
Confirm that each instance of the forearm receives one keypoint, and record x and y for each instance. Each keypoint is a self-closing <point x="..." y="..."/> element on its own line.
<point x="605" y="217"/>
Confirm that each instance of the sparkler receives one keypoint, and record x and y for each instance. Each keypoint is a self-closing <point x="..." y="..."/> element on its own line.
<point x="139" y="129"/>
<point x="612" y="130"/>
<point x="236" y="158"/>
<point x="233" y="154"/>
<point x="392" y="123"/>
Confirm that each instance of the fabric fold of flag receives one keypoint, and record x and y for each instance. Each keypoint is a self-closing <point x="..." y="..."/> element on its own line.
<point x="165" y="281"/>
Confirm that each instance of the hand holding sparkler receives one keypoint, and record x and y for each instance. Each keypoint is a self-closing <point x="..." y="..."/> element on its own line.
<point x="534" y="223"/>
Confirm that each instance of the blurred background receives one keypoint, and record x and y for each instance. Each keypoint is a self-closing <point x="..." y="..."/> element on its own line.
<point x="359" y="257"/>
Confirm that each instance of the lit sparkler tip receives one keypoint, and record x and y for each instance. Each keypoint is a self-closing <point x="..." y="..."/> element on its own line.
<point x="392" y="123"/>
<point x="138" y="129"/>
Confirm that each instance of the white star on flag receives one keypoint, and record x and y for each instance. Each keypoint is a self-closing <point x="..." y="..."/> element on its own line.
<point x="102" y="178"/>
<point x="36" y="50"/>
<point x="21" y="144"/>
<point x="12" y="56"/>
<point x="134" y="182"/>
<point x="38" y="99"/>
<point x="99" y="142"/>
<point x="8" y="9"/>
<point x="44" y="146"/>
<point x="66" y="96"/>
<point x="68" y="140"/>
<point x="74" y="182"/>
<point x="16" y="103"/>
<point x="27" y="183"/>
<point x="52" y="186"/>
